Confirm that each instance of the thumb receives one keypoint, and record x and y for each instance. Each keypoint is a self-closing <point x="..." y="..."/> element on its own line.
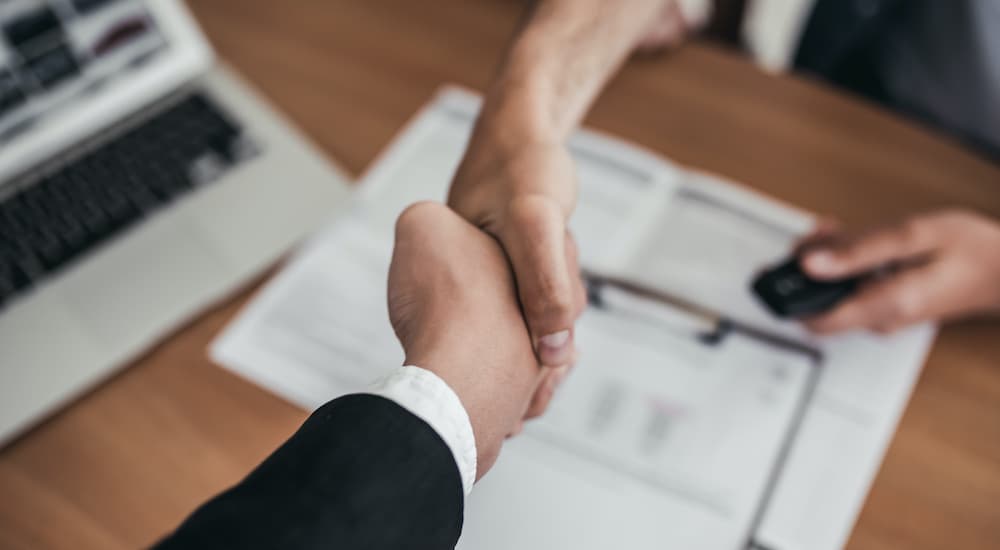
<point x="869" y="252"/>
<point x="535" y="240"/>
<point x="825" y="232"/>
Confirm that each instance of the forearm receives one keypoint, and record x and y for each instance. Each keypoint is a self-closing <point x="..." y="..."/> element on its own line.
<point x="361" y="472"/>
<point x="516" y="181"/>
<point x="556" y="65"/>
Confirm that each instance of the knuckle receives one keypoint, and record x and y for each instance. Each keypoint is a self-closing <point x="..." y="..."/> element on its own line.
<point x="551" y="305"/>
<point x="417" y="214"/>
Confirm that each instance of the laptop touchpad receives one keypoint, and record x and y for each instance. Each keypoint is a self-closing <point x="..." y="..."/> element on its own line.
<point x="129" y="293"/>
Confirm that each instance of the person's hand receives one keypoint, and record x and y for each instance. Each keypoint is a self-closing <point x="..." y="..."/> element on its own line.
<point x="453" y="306"/>
<point x="516" y="180"/>
<point x="941" y="266"/>
<point x="523" y="197"/>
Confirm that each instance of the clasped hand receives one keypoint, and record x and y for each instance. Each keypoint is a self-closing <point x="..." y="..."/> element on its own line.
<point x="453" y="305"/>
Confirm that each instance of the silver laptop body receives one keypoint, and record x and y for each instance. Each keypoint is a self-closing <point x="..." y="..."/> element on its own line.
<point x="140" y="182"/>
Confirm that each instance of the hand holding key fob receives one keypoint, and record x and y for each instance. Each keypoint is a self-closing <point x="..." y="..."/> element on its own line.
<point x="790" y="293"/>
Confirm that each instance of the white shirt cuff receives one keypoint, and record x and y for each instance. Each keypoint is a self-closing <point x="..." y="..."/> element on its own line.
<point x="427" y="396"/>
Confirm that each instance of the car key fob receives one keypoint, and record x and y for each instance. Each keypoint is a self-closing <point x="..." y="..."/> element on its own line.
<point x="789" y="293"/>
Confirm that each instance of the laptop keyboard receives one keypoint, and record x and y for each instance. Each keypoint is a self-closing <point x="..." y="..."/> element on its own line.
<point x="62" y="215"/>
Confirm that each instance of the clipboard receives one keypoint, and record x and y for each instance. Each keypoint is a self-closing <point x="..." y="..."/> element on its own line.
<point x="711" y="329"/>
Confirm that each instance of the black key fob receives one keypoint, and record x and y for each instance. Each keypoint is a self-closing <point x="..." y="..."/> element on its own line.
<point x="789" y="293"/>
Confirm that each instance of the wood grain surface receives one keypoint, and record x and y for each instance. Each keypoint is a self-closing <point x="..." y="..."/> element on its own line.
<point x="128" y="461"/>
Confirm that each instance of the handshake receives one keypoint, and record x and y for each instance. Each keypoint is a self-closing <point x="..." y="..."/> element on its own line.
<point x="485" y="307"/>
<point x="485" y="293"/>
<point x="454" y="305"/>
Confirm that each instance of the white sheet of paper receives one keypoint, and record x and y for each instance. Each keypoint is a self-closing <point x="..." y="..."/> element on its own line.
<point x="655" y="441"/>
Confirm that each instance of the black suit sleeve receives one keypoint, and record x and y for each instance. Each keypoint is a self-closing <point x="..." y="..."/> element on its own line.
<point x="361" y="472"/>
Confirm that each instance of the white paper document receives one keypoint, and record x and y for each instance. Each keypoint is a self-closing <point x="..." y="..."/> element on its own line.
<point x="673" y="431"/>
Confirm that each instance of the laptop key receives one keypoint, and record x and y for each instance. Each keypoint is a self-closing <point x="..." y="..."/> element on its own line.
<point x="116" y="204"/>
<point x="72" y="232"/>
<point x="86" y="6"/>
<point x="11" y="93"/>
<point x="54" y="66"/>
<point x="47" y="224"/>
<point x="94" y="218"/>
<point x="12" y="279"/>
<point x="142" y="199"/>
<point x="49" y="248"/>
<point x="26" y="262"/>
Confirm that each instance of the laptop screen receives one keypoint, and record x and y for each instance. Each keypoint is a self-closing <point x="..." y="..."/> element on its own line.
<point x="55" y="53"/>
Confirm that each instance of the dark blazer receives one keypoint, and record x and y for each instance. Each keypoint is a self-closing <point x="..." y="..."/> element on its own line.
<point x="361" y="472"/>
<point x="838" y="40"/>
<point x="843" y="42"/>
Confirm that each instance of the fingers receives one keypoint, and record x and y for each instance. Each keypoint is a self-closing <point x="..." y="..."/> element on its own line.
<point x="547" y="387"/>
<point x="823" y="233"/>
<point x="885" y="306"/>
<point x="860" y="255"/>
<point x="548" y="281"/>
<point x="548" y="384"/>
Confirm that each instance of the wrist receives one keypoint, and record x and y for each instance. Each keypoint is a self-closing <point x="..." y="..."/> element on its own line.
<point x="487" y="189"/>
<point x="522" y="106"/>
<point x="497" y="167"/>
<point x="493" y="393"/>
<point x="507" y="126"/>
<point x="523" y="102"/>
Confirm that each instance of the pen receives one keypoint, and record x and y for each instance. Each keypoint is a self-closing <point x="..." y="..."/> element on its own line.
<point x="623" y="296"/>
<point x="710" y="327"/>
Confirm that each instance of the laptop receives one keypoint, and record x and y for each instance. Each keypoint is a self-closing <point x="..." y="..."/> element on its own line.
<point x="140" y="182"/>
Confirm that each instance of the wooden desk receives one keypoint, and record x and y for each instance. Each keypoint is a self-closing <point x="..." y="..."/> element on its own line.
<point x="130" y="460"/>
